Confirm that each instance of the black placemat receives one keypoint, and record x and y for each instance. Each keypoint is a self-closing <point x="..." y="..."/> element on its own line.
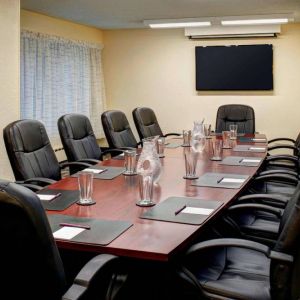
<point x="215" y="180"/>
<point x="173" y="145"/>
<point x="241" y="161"/>
<point x="110" y="173"/>
<point x="102" y="232"/>
<point x="252" y="140"/>
<point x="171" y="209"/>
<point x="66" y="199"/>
<point x="220" y="134"/>
<point x="249" y="148"/>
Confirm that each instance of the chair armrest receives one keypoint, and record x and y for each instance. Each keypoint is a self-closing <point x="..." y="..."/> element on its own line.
<point x="171" y="133"/>
<point x="283" y="147"/>
<point x="276" y="200"/>
<point x="282" y="139"/>
<point x="89" y="161"/>
<point x="288" y="172"/>
<point x="43" y="180"/>
<point x="275" y="211"/>
<point x="291" y="158"/>
<point x="74" y="163"/>
<point x="97" y="266"/>
<point x="288" y="179"/>
<point x="32" y="187"/>
<point x="110" y="151"/>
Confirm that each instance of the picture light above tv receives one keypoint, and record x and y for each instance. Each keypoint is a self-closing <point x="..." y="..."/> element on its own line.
<point x="242" y="67"/>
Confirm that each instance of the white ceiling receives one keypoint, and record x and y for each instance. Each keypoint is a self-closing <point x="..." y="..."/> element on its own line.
<point x="112" y="14"/>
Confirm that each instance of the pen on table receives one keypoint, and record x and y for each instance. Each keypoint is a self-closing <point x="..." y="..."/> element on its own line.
<point x="220" y="180"/>
<point x="241" y="160"/>
<point x="75" y="225"/>
<point x="56" y="196"/>
<point x="179" y="210"/>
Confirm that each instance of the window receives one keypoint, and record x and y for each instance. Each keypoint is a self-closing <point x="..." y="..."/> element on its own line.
<point x="60" y="76"/>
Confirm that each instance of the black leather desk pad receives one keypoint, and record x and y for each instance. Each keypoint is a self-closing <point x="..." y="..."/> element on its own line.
<point x="252" y="140"/>
<point x="246" y="148"/>
<point x="173" y="145"/>
<point x="110" y="173"/>
<point x="165" y="211"/>
<point x="62" y="202"/>
<point x="102" y="232"/>
<point x="238" y="161"/>
<point x="214" y="180"/>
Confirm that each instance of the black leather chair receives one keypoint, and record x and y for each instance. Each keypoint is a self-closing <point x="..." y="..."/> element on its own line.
<point x="117" y="130"/>
<point x="31" y="156"/>
<point x="146" y="123"/>
<point x="241" y="115"/>
<point x="243" y="269"/>
<point x="79" y="141"/>
<point x="31" y="266"/>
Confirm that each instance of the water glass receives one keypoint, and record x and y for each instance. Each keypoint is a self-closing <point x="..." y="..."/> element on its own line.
<point x="217" y="149"/>
<point x="233" y="131"/>
<point x="186" y="135"/>
<point x="207" y="131"/>
<point x="130" y="162"/>
<point x="226" y="139"/>
<point x="146" y="190"/>
<point x="85" y="184"/>
<point x="190" y="159"/>
<point x="161" y="147"/>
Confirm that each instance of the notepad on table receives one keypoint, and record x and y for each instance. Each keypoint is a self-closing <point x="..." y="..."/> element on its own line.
<point x="67" y="233"/>
<point x="258" y="140"/>
<point x="44" y="197"/>
<point x="197" y="211"/>
<point x="232" y="180"/>
<point x="95" y="171"/>
<point x="250" y="160"/>
<point x="257" y="148"/>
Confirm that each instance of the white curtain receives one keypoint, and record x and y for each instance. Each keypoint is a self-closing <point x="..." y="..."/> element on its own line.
<point x="60" y="76"/>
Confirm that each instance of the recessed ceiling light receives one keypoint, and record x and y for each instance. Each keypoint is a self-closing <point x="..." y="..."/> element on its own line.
<point x="255" y="21"/>
<point x="176" y="24"/>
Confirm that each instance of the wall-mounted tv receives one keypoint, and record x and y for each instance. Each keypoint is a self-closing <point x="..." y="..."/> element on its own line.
<point x="242" y="67"/>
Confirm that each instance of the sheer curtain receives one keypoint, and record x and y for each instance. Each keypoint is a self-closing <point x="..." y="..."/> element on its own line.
<point x="60" y="76"/>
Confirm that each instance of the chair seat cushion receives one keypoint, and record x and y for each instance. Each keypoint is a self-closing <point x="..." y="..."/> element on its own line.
<point x="233" y="271"/>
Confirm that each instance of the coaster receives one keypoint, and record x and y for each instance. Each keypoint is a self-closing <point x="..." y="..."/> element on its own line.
<point x="86" y="203"/>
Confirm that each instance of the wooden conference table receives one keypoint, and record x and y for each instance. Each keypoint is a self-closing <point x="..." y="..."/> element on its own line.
<point x="150" y="239"/>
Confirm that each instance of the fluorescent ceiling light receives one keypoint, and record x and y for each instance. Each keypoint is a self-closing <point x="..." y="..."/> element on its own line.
<point x="179" y="24"/>
<point x="255" y="21"/>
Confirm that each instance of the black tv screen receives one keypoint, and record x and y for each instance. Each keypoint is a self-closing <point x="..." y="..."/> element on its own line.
<point x="243" y="67"/>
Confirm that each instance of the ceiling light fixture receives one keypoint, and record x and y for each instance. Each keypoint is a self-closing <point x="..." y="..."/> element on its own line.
<point x="255" y="22"/>
<point x="181" y="23"/>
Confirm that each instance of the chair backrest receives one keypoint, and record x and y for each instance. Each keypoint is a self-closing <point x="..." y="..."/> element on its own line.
<point x="77" y="137"/>
<point x="145" y="122"/>
<point x="117" y="129"/>
<point x="31" y="267"/>
<point x="241" y="115"/>
<point x="29" y="150"/>
<point x="285" y="282"/>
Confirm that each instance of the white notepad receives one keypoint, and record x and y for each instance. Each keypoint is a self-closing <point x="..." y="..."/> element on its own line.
<point x="258" y="140"/>
<point x="95" y="171"/>
<point x="46" y="197"/>
<point x="67" y="233"/>
<point x="251" y="160"/>
<point x="232" y="180"/>
<point x="257" y="148"/>
<point x="197" y="211"/>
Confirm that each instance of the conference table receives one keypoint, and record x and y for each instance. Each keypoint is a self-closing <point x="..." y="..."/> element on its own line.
<point x="152" y="239"/>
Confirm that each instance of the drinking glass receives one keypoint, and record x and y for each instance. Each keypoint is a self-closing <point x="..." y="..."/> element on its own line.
<point x="161" y="147"/>
<point x="186" y="135"/>
<point x="226" y="139"/>
<point x="217" y="149"/>
<point x="130" y="162"/>
<point x="146" y="190"/>
<point x="190" y="159"/>
<point x="85" y="184"/>
<point x="207" y="131"/>
<point x="233" y="131"/>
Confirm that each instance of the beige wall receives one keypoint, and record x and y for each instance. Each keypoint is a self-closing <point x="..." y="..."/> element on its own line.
<point x="9" y="73"/>
<point x="156" y="68"/>
<point x="41" y="23"/>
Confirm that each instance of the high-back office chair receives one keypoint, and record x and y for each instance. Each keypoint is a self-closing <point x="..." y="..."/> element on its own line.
<point x="146" y="123"/>
<point x="30" y="153"/>
<point x="31" y="267"/>
<point x="241" y="115"/>
<point x="78" y="139"/>
<point x="243" y="269"/>
<point x="117" y="130"/>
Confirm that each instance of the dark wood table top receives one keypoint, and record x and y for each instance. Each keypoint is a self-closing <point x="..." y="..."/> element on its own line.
<point x="149" y="239"/>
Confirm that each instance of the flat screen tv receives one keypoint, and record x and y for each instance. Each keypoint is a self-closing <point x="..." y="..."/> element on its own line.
<point x="243" y="67"/>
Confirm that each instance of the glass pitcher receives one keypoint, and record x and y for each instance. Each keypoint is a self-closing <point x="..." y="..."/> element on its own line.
<point x="198" y="139"/>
